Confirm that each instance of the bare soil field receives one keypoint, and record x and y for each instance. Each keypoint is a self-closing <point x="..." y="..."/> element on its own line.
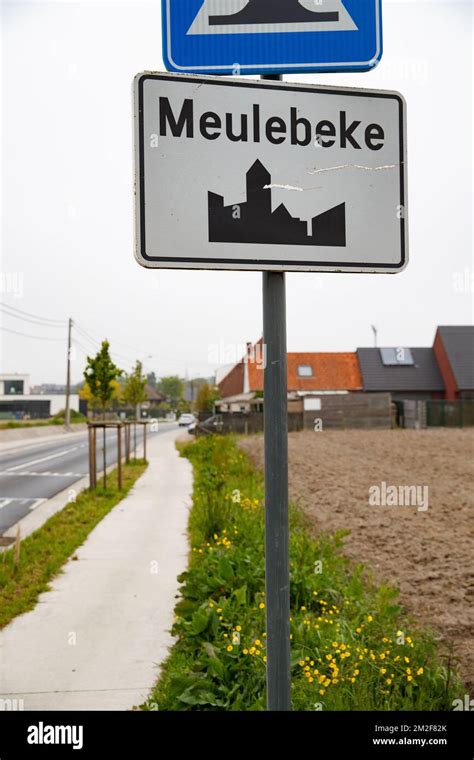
<point x="428" y="554"/>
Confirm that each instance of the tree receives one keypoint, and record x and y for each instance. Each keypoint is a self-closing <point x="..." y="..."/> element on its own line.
<point x="101" y="377"/>
<point x="134" y="392"/>
<point x="151" y="380"/>
<point x="206" y="398"/>
<point x="93" y="403"/>
<point x="172" y="389"/>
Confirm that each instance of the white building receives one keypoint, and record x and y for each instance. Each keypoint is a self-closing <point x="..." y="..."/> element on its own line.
<point x="16" y="401"/>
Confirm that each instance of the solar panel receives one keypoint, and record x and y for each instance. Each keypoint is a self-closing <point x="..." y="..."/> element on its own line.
<point x="394" y="357"/>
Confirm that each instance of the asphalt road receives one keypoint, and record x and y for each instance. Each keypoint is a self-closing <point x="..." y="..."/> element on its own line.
<point x="29" y="476"/>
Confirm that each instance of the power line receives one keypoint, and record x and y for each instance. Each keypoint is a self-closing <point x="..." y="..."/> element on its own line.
<point x="35" y="316"/>
<point x="27" y="319"/>
<point x="27" y="335"/>
<point x="119" y="342"/>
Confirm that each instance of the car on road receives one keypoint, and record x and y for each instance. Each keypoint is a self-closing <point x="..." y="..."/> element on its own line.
<point x="186" y="419"/>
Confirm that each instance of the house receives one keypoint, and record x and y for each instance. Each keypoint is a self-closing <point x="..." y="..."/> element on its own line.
<point x="405" y="373"/>
<point x="309" y="373"/>
<point x="17" y="400"/>
<point x="454" y="351"/>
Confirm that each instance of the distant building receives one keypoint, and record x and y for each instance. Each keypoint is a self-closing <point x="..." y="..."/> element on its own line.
<point x="444" y="371"/>
<point x="405" y="373"/>
<point x="309" y="374"/>
<point x="48" y="389"/>
<point x="17" y="401"/>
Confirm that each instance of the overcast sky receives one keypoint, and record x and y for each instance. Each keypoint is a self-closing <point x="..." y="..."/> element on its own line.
<point x="67" y="208"/>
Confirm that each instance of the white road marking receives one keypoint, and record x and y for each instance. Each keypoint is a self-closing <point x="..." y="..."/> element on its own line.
<point x="44" y="474"/>
<point x="43" y="459"/>
<point x="37" y="500"/>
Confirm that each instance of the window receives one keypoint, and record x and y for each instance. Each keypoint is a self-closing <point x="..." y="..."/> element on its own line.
<point x="13" y="387"/>
<point x="304" y="370"/>
<point x="394" y="357"/>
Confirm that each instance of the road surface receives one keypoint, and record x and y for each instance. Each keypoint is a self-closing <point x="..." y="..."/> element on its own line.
<point x="31" y="475"/>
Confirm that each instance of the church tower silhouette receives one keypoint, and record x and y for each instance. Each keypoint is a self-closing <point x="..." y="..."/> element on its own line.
<point x="274" y="12"/>
<point x="253" y="221"/>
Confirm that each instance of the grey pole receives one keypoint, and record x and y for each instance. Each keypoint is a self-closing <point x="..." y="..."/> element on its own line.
<point x="276" y="490"/>
<point x="67" y="413"/>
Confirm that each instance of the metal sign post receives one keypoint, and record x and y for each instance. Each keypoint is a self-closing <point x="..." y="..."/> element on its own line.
<point x="277" y="560"/>
<point x="276" y="493"/>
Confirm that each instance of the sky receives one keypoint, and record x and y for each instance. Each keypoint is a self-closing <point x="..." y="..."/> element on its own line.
<point x="67" y="208"/>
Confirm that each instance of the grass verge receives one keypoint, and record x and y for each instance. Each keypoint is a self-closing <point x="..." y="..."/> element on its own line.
<point x="353" y="646"/>
<point x="44" y="552"/>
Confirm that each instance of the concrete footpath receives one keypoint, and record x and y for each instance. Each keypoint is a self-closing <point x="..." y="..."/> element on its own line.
<point x="95" y="641"/>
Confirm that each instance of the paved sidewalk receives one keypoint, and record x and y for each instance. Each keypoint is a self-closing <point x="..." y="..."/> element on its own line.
<point x="95" y="640"/>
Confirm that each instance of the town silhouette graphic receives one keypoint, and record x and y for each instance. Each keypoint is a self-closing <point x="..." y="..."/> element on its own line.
<point x="273" y="12"/>
<point x="255" y="222"/>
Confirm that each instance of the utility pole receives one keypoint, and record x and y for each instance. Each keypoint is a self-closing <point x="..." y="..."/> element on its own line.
<point x="67" y="414"/>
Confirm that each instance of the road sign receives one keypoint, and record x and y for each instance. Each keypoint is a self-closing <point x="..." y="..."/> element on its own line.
<point x="236" y="174"/>
<point x="265" y="36"/>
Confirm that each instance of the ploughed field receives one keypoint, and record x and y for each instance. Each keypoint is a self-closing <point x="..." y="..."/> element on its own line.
<point x="419" y="539"/>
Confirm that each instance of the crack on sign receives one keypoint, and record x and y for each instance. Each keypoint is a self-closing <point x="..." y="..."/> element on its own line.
<point x="276" y="186"/>
<point x="355" y="166"/>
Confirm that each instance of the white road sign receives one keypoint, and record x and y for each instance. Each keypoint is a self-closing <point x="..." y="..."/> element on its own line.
<point x="258" y="175"/>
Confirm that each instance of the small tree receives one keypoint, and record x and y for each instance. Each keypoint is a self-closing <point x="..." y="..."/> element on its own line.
<point x="101" y="377"/>
<point x="206" y="398"/>
<point x="134" y="392"/>
<point x="172" y="389"/>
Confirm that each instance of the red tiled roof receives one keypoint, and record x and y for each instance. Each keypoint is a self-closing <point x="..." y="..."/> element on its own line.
<point x="331" y="372"/>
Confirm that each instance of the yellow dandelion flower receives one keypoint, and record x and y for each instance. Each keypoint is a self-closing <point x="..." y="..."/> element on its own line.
<point x="230" y="648"/>
<point x="419" y="672"/>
